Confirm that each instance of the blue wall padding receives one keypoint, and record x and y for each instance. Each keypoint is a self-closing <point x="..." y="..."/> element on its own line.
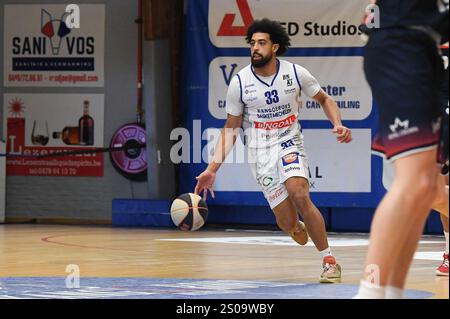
<point x="144" y="212"/>
<point x="351" y="219"/>
<point x="434" y="224"/>
<point x="156" y="213"/>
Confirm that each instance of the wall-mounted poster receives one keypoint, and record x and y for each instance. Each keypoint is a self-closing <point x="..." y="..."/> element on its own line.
<point x="41" y="124"/>
<point x="41" y="48"/>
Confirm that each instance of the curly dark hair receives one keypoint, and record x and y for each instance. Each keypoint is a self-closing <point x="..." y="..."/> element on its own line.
<point x="277" y="33"/>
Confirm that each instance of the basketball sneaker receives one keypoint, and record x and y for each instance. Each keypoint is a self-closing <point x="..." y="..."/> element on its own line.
<point x="331" y="271"/>
<point x="443" y="269"/>
<point x="301" y="235"/>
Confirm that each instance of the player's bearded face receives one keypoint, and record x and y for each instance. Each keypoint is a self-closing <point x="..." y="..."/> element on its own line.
<point x="259" y="60"/>
<point x="261" y="48"/>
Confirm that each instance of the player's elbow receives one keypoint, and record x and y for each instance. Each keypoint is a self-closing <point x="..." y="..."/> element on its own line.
<point x="233" y="122"/>
<point x="327" y="101"/>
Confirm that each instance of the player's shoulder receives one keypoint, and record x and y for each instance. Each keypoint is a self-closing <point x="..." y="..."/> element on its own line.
<point x="244" y="71"/>
<point x="243" y="76"/>
<point x="291" y="65"/>
<point x="286" y="63"/>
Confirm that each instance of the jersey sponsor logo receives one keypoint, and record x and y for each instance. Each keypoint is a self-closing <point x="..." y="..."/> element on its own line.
<point x="277" y="124"/>
<point x="267" y="181"/>
<point x="401" y="128"/>
<point x="285" y="133"/>
<point x="291" y="158"/>
<point x="228" y="29"/>
<point x="287" y="144"/>
<point x="290" y="91"/>
<point x="293" y="168"/>
<point x="268" y="137"/>
<point x="276" y="111"/>
<point x="288" y="79"/>
<point x="277" y="194"/>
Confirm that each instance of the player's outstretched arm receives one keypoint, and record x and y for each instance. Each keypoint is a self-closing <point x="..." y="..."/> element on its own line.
<point x="205" y="180"/>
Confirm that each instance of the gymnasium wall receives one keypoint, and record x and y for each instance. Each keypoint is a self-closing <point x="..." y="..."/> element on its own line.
<point x="346" y="199"/>
<point x="79" y="197"/>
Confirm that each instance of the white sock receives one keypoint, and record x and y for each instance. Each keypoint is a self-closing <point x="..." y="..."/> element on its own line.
<point x="370" y="291"/>
<point x="326" y="252"/>
<point x="393" y="293"/>
<point x="446" y="242"/>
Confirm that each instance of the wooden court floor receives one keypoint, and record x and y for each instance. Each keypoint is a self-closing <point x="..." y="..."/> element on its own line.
<point x="245" y="255"/>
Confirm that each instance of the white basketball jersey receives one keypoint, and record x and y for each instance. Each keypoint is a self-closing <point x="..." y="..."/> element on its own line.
<point x="270" y="105"/>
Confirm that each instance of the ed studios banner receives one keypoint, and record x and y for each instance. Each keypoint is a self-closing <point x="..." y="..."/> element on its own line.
<point x="42" y="50"/>
<point x="309" y="23"/>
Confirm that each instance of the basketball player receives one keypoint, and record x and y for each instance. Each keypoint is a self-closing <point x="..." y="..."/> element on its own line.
<point x="264" y="98"/>
<point x="404" y="69"/>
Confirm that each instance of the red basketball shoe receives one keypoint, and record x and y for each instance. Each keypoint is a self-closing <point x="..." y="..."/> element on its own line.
<point x="443" y="269"/>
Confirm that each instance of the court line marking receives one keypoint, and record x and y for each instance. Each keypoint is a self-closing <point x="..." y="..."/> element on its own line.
<point x="255" y="240"/>
<point x="280" y="241"/>
<point x="429" y="255"/>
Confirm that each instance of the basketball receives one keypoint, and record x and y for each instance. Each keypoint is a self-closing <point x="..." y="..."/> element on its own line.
<point x="189" y="212"/>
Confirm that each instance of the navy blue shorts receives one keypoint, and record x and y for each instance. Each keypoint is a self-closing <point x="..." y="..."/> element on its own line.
<point x="405" y="71"/>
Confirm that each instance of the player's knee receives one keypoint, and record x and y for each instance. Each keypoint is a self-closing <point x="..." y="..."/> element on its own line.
<point x="300" y="198"/>
<point x="287" y="224"/>
<point x="425" y="187"/>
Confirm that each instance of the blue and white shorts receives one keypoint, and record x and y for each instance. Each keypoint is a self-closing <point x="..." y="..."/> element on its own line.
<point x="271" y="167"/>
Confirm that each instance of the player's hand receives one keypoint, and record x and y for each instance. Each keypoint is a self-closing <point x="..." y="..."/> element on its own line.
<point x="343" y="134"/>
<point x="205" y="182"/>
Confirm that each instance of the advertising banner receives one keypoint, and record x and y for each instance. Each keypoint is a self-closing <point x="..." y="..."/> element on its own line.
<point x="43" y="124"/>
<point x="309" y="23"/>
<point x="42" y="49"/>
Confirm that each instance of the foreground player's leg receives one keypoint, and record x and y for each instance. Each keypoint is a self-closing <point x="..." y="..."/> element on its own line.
<point x="398" y="274"/>
<point x="298" y="189"/>
<point x="403" y="263"/>
<point x="398" y="223"/>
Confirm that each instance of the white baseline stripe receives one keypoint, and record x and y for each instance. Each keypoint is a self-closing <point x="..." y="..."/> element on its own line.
<point x="279" y="241"/>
